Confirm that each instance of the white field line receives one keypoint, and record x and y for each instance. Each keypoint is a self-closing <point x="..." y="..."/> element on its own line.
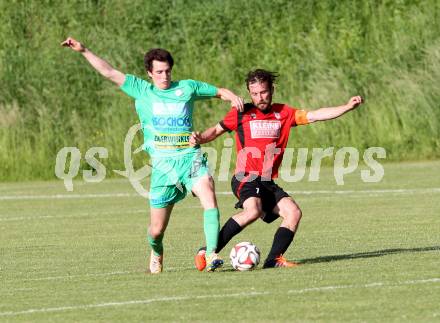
<point x="113" y="273"/>
<point x="192" y="297"/>
<point x="64" y="196"/>
<point x="370" y="285"/>
<point x="383" y="191"/>
<point x="309" y="192"/>
<point x="77" y="215"/>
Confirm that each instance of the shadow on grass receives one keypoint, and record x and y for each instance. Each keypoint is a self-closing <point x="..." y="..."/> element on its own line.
<point x="369" y="254"/>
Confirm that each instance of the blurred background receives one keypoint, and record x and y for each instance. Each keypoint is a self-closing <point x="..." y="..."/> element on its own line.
<point x="324" y="51"/>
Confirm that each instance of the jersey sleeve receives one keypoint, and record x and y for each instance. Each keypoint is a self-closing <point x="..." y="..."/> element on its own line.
<point x="202" y="90"/>
<point x="298" y="117"/>
<point x="230" y="121"/>
<point x="134" y="86"/>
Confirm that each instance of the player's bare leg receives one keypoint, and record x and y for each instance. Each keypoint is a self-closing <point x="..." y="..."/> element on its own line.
<point x="252" y="210"/>
<point x="159" y="218"/>
<point x="204" y="189"/>
<point x="291" y="214"/>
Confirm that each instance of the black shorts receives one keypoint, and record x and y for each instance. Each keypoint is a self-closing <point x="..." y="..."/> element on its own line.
<point x="269" y="193"/>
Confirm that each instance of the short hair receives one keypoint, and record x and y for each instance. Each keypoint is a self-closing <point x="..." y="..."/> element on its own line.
<point x="157" y="54"/>
<point x="261" y="76"/>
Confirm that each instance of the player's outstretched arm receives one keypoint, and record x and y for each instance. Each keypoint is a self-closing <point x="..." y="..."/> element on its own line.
<point x="104" y="68"/>
<point x="208" y="135"/>
<point x="227" y="95"/>
<point x="324" y="114"/>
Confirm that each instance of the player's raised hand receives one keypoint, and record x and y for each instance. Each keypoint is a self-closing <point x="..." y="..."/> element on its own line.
<point x="195" y="139"/>
<point x="355" y="101"/>
<point x="73" y="44"/>
<point x="228" y="95"/>
<point x="238" y="103"/>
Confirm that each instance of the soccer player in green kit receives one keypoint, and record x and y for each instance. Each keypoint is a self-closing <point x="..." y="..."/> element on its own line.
<point x="165" y="111"/>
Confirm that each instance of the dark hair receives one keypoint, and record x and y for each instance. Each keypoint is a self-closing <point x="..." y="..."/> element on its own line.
<point x="261" y="76"/>
<point x="157" y="54"/>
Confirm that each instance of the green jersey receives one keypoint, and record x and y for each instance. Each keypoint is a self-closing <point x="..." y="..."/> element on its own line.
<point x="166" y="115"/>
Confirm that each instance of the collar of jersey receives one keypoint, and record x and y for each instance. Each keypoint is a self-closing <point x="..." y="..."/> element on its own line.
<point x="173" y="85"/>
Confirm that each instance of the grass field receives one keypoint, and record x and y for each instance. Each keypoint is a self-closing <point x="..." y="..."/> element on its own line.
<point x="325" y="52"/>
<point x="370" y="252"/>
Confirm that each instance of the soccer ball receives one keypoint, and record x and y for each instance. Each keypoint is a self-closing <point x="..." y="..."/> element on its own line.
<point x="244" y="256"/>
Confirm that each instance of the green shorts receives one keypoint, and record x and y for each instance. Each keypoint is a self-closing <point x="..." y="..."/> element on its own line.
<point x="172" y="178"/>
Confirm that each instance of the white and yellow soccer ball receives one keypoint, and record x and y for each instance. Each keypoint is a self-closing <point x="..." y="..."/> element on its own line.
<point x="244" y="256"/>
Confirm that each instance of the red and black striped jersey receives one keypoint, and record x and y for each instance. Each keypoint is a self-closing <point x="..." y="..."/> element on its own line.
<point x="261" y="137"/>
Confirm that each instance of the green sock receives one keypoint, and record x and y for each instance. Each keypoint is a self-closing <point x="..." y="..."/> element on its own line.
<point x="156" y="244"/>
<point x="211" y="226"/>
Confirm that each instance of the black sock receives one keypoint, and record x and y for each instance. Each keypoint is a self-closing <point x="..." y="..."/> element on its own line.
<point x="281" y="241"/>
<point x="228" y="231"/>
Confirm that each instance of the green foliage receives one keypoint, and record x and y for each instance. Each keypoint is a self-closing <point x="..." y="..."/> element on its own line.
<point x="387" y="51"/>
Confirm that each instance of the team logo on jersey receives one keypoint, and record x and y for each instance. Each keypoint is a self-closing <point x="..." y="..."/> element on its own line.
<point x="171" y="141"/>
<point x="160" y="122"/>
<point x="168" y="108"/>
<point x="265" y="128"/>
<point x="277" y="115"/>
<point x="178" y="92"/>
<point x="253" y="115"/>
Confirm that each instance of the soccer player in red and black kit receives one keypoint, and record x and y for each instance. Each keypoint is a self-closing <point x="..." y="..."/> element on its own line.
<point x="262" y="131"/>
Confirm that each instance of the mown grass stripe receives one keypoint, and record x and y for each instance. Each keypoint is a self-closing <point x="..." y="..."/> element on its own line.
<point x="244" y="294"/>
<point x="310" y="192"/>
